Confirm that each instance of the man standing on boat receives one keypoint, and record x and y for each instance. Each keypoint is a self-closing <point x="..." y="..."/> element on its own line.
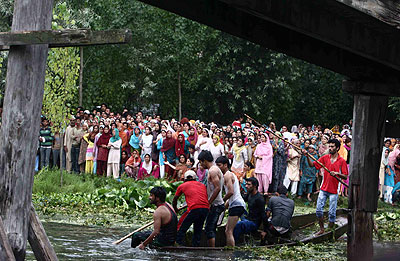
<point x="256" y="204"/>
<point x="338" y="167"/>
<point x="165" y="223"/>
<point x="197" y="202"/>
<point x="215" y="182"/>
<point x="233" y="199"/>
<point x="281" y="208"/>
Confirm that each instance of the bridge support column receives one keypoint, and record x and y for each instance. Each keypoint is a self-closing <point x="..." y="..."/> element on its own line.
<point x="369" y="115"/>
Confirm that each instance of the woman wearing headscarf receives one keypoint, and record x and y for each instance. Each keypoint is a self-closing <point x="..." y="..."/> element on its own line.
<point x="114" y="155"/>
<point x="239" y="157"/>
<point x="293" y="169"/>
<point x="89" y="139"/>
<point x="251" y="148"/>
<point x="124" y="138"/>
<point x="102" y="155"/>
<point x="204" y="141"/>
<point x="192" y="138"/>
<point x="160" y="139"/>
<point x="263" y="156"/>
<point x="155" y="152"/>
<point x="148" y="168"/>
<point x="217" y="149"/>
<point x="181" y="146"/>
<point x="146" y="143"/>
<point x="132" y="165"/>
<point x="383" y="168"/>
<point x="96" y="149"/>
<point x="323" y="147"/>
<point x="279" y="162"/>
<point x="391" y="172"/>
<point x="135" y="139"/>
<point x="168" y="150"/>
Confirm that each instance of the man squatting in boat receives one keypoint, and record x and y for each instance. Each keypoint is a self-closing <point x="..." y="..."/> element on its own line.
<point x="329" y="188"/>
<point x="282" y="209"/>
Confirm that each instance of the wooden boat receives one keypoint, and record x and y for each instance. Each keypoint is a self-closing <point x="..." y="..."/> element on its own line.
<point x="304" y="228"/>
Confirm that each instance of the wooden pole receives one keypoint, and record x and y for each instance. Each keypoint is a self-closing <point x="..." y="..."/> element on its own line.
<point x="130" y="234"/>
<point x="64" y="38"/>
<point x="42" y="249"/>
<point x="366" y="150"/>
<point x="6" y="252"/>
<point x="80" y="75"/>
<point x="140" y="229"/>
<point x="297" y="147"/>
<point x="21" y="116"/>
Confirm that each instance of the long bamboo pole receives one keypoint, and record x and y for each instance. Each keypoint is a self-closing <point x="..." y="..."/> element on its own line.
<point x="139" y="229"/>
<point x="130" y="234"/>
<point x="297" y="147"/>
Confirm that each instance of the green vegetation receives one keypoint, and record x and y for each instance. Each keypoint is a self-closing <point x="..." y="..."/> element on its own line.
<point x="326" y="251"/>
<point x="88" y="199"/>
<point x="91" y="200"/>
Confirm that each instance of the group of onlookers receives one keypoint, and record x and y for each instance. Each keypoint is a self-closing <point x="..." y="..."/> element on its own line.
<point x="137" y="145"/>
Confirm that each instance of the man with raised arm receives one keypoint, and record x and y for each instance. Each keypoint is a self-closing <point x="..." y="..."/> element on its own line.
<point x="165" y="223"/>
<point x="215" y="182"/>
<point x="338" y="167"/>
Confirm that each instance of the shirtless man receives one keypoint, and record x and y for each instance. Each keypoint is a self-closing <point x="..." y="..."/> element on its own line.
<point x="233" y="199"/>
<point x="215" y="181"/>
<point x="165" y="223"/>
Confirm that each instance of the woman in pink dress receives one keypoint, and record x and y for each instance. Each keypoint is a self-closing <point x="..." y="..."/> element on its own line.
<point x="148" y="168"/>
<point x="263" y="156"/>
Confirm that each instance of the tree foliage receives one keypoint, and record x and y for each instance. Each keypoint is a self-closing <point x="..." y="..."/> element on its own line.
<point x="221" y="75"/>
<point x="61" y="74"/>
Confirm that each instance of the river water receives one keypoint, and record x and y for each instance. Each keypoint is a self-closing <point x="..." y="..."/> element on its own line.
<point x="73" y="242"/>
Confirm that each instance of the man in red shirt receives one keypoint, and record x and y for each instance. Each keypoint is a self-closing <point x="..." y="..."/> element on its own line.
<point x="338" y="167"/>
<point x="197" y="202"/>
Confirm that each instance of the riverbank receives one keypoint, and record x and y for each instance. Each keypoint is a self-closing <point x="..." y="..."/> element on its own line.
<point x="123" y="206"/>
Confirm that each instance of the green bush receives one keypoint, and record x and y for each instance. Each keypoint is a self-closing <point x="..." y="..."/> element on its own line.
<point x="90" y="189"/>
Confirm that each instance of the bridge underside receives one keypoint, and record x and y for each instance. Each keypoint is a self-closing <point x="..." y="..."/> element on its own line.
<point x="327" y="33"/>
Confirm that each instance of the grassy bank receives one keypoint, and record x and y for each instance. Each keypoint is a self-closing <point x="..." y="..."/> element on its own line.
<point x="90" y="200"/>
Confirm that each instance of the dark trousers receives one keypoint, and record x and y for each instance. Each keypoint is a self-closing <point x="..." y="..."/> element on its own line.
<point x="74" y="158"/>
<point x="101" y="167"/>
<point x="277" y="179"/>
<point x="44" y="157"/>
<point x="196" y="217"/>
<point x="140" y="237"/>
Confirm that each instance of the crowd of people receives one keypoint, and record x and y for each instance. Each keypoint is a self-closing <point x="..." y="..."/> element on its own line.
<point x="136" y="145"/>
<point x="247" y="160"/>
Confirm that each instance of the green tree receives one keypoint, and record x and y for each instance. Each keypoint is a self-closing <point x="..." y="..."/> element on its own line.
<point x="61" y="77"/>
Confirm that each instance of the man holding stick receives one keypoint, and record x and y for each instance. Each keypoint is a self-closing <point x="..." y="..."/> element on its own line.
<point x="338" y="168"/>
<point x="165" y="223"/>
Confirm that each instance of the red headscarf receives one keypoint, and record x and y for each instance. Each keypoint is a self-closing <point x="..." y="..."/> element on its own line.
<point x="168" y="143"/>
<point x="192" y="138"/>
<point x="104" y="139"/>
<point x="180" y="146"/>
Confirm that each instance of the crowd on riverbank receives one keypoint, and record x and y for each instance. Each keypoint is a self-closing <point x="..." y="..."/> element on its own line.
<point x="114" y="144"/>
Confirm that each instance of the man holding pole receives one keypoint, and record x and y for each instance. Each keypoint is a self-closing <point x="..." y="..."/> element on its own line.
<point x="165" y="223"/>
<point x="337" y="168"/>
